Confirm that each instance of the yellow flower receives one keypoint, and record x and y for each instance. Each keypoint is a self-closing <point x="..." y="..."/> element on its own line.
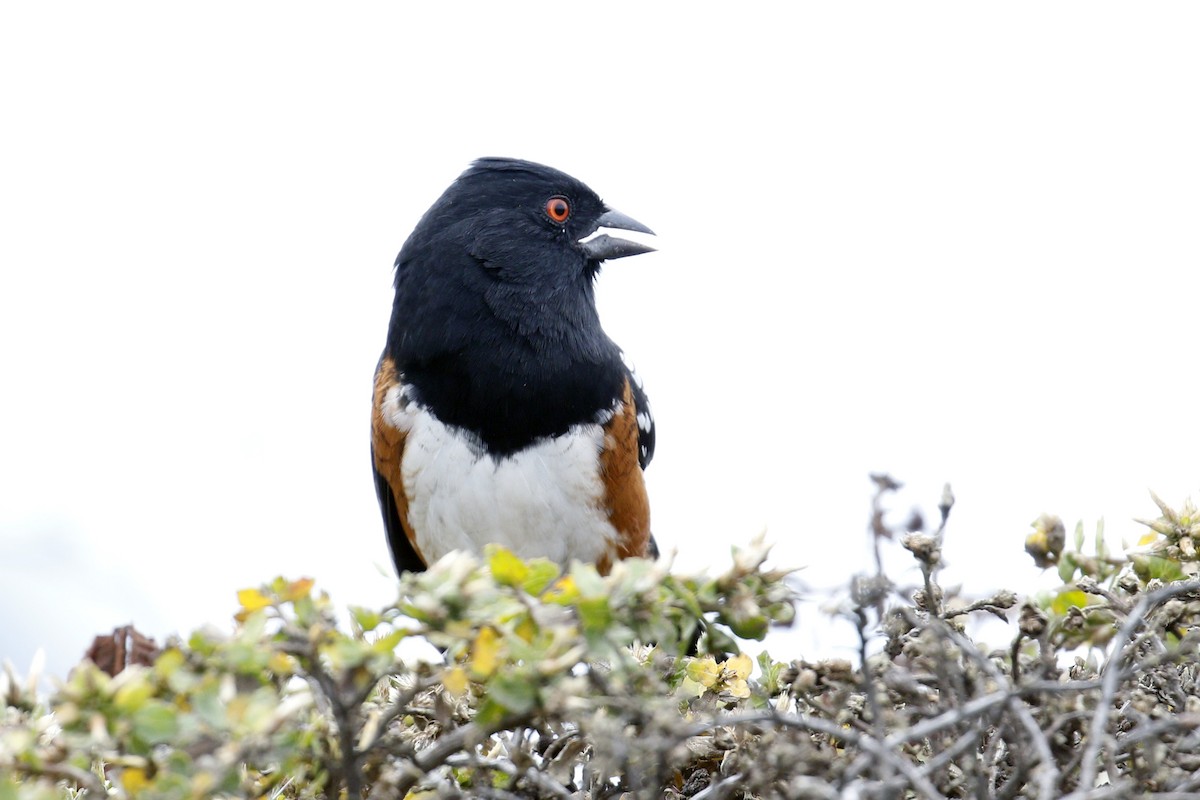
<point x="455" y="681"/>
<point x="740" y="665"/>
<point x="485" y="653"/>
<point x="734" y="672"/>
<point x="700" y="676"/>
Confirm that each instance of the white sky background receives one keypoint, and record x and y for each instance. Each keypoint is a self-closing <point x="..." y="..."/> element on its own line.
<point x="951" y="241"/>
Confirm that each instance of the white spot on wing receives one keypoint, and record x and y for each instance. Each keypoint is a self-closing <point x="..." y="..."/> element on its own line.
<point x="397" y="406"/>
<point x="637" y="381"/>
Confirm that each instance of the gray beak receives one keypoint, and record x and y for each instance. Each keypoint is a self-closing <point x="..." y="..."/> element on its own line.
<point x="603" y="247"/>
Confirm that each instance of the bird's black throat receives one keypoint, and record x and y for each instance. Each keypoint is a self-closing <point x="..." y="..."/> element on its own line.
<point x="508" y="402"/>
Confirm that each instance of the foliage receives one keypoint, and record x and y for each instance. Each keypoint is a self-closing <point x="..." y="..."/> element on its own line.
<point x="544" y="684"/>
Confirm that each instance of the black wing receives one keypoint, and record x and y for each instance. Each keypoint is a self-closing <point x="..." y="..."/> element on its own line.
<point x="403" y="554"/>
<point x="387" y="452"/>
<point x="645" y="421"/>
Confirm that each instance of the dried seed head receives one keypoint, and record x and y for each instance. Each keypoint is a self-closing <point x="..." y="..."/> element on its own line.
<point x="1032" y="622"/>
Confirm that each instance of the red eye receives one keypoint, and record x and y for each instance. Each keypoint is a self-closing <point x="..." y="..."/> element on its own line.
<point x="558" y="208"/>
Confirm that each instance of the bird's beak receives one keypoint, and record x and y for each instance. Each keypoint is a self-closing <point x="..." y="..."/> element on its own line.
<point x="600" y="247"/>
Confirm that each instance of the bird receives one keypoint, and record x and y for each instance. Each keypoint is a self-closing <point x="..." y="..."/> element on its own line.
<point x="502" y="413"/>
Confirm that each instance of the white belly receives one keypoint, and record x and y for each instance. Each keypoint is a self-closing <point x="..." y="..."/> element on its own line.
<point x="545" y="500"/>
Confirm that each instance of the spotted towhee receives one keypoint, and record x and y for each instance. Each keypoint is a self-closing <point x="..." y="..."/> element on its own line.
<point x="502" y="412"/>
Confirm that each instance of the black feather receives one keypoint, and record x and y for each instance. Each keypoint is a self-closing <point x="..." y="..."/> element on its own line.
<point x="403" y="554"/>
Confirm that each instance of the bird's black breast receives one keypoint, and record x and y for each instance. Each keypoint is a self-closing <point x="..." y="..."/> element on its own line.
<point x="509" y="403"/>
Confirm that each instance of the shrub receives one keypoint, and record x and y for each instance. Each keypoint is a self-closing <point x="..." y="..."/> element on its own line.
<point x="544" y="684"/>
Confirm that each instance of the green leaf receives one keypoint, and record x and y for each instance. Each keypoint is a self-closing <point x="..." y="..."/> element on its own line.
<point x="134" y="693"/>
<point x="491" y="711"/>
<point x="587" y="580"/>
<point x="253" y="627"/>
<point x="1079" y="535"/>
<point x="751" y="627"/>
<point x="385" y="645"/>
<point x="716" y="640"/>
<point x="365" y="618"/>
<point x="1150" y="567"/>
<point x="156" y="722"/>
<point x="306" y="610"/>
<point x="595" y="614"/>
<point x="168" y="662"/>
<point x="345" y="654"/>
<point x="1101" y="546"/>
<point x="206" y="703"/>
<point x="770" y="672"/>
<point x="686" y="594"/>
<point x="256" y="710"/>
<point x="1066" y="567"/>
<point x="542" y="573"/>
<point x="516" y="692"/>
<point x="1067" y="599"/>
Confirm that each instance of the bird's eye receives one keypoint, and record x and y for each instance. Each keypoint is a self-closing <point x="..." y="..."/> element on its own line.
<point x="558" y="209"/>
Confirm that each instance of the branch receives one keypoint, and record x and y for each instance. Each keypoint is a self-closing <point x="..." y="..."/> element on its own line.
<point x="949" y="718"/>
<point x="81" y="778"/>
<point x="1112" y="677"/>
<point x="879" y="749"/>
<point x="373" y="729"/>
<point x="439" y="751"/>
<point x="535" y="776"/>
<point x="720" y="789"/>
<point x="963" y="743"/>
<point x="1049" y="776"/>
<point x="1183" y="722"/>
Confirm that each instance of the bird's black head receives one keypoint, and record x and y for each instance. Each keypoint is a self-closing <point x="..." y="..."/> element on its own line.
<point x="494" y="291"/>
<point x="526" y="223"/>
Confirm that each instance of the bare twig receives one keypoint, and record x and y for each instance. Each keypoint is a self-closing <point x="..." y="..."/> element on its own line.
<point x="79" y="777"/>
<point x="879" y="749"/>
<point x="962" y="744"/>
<point x="718" y="790"/>
<point x="447" y="745"/>
<point x="1049" y="773"/>
<point x="1112" y="677"/>
<point x="878" y="725"/>
<point x="542" y="781"/>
